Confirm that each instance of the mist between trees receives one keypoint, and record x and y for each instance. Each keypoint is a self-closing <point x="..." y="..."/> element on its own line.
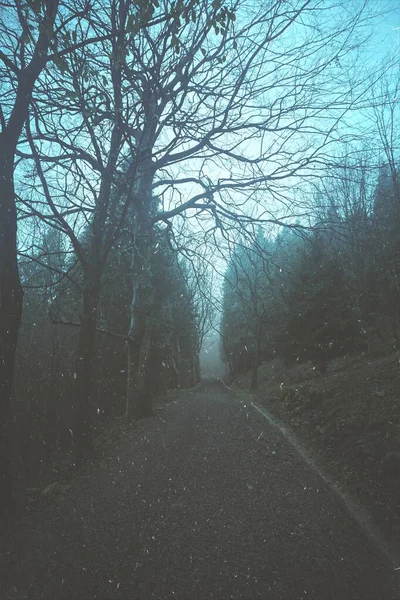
<point x="143" y="145"/>
<point x="322" y="294"/>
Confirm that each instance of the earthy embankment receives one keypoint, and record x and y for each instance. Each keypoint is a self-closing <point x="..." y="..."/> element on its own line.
<point x="205" y="500"/>
<point x="350" y="418"/>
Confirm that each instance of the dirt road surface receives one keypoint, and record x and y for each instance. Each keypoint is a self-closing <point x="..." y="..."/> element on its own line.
<point x="206" y="500"/>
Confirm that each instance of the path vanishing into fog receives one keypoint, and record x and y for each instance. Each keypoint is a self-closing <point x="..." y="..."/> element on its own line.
<point x="205" y="500"/>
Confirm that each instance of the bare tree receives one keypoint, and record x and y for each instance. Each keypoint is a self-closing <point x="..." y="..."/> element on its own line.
<point x="29" y="32"/>
<point x="79" y="180"/>
<point x="227" y="127"/>
<point x="386" y="117"/>
<point x="221" y="124"/>
<point x="249" y="281"/>
<point x="80" y="139"/>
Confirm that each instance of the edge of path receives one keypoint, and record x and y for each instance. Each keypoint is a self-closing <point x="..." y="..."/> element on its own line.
<point x="353" y="506"/>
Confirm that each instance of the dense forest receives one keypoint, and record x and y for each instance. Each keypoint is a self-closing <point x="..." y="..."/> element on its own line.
<point x="43" y="413"/>
<point x="319" y="293"/>
<point x="170" y="169"/>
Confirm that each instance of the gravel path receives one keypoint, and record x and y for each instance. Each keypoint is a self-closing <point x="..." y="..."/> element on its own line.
<point x="206" y="500"/>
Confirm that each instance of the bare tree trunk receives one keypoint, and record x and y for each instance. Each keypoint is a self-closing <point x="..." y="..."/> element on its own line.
<point x="11" y="294"/>
<point x="138" y="402"/>
<point x="254" y="375"/>
<point x="84" y="372"/>
<point x="10" y="315"/>
<point x="174" y="359"/>
<point x="227" y="356"/>
<point x="196" y="369"/>
<point x="52" y="411"/>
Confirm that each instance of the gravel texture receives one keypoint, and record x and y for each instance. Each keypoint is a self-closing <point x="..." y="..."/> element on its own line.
<point x="205" y="500"/>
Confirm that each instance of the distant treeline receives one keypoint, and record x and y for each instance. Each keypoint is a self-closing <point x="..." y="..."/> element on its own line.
<point x="320" y="292"/>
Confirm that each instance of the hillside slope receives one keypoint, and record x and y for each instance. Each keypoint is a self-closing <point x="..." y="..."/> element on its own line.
<point x="350" y="416"/>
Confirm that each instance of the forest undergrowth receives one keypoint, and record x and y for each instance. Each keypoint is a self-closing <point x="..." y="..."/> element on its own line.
<point x="56" y="479"/>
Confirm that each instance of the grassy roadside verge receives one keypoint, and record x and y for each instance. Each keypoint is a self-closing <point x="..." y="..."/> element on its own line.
<point x="350" y="418"/>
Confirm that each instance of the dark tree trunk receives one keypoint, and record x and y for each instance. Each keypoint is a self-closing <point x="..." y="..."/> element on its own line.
<point x="175" y="363"/>
<point x="11" y="294"/>
<point x="10" y="316"/>
<point x="84" y="371"/>
<point x="196" y="369"/>
<point x="228" y="359"/>
<point x="254" y="375"/>
<point x="138" y="402"/>
<point x="52" y="409"/>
